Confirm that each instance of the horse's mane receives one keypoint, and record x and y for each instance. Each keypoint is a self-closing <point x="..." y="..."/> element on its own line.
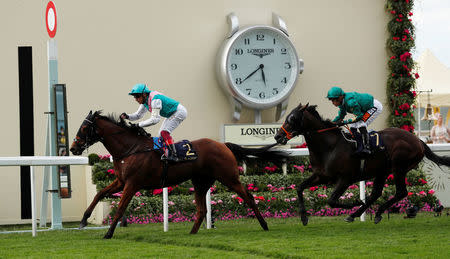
<point x="113" y="118"/>
<point x="312" y="109"/>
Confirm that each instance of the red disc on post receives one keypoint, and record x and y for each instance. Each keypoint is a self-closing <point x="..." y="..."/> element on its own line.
<point x="50" y="19"/>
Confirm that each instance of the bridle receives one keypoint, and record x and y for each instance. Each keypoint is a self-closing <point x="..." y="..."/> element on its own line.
<point x="290" y="135"/>
<point x="91" y="137"/>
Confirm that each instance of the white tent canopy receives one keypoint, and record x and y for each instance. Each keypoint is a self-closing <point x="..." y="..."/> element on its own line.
<point x="434" y="76"/>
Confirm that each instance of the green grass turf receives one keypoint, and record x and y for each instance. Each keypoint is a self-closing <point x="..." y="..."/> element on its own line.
<point x="324" y="237"/>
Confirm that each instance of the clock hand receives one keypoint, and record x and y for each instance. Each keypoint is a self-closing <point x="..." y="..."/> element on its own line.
<point x="252" y="73"/>
<point x="263" y="76"/>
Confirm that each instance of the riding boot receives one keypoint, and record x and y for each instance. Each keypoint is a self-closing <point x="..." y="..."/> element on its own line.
<point x="358" y="139"/>
<point x="365" y="137"/>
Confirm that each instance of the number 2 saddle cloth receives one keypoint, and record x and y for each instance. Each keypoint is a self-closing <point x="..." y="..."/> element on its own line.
<point x="185" y="150"/>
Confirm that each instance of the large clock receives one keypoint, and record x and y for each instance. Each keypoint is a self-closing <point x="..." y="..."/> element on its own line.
<point x="258" y="66"/>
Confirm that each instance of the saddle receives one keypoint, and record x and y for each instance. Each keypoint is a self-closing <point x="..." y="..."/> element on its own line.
<point x="185" y="150"/>
<point x="375" y="141"/>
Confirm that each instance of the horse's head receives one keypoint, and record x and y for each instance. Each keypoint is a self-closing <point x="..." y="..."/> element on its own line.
<point x="292" y="126"/>
<point x="87" y="134"/>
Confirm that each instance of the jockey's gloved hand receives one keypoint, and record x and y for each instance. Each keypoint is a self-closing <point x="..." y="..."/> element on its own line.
<point x="341" y="123"/>
<point x="124" y="116"/>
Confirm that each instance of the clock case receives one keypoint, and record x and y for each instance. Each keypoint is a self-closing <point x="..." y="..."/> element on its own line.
<point x="236" y="99"/>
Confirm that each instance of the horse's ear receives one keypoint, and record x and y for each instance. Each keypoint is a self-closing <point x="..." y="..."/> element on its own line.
<point x="299" y="105"/>
<point x="304" y="107"/>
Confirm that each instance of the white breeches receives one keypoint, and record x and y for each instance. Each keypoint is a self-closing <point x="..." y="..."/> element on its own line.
<point x="169" y="124"/>
<point x="362" y="123"/>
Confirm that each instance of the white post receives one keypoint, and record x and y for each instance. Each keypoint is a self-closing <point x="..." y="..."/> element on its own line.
<point x="33" y="202"/>
<point x="362" y="196"/>
<point x="208" y="209"/>
<point x="166" y="209"/>
<point x="284" y="168"/>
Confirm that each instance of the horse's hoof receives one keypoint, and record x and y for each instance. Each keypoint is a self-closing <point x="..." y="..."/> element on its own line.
<point x="349" y="219"/>
<point x="107" y="236"/>
<point x="82" y="225"/>
<point x="305" y="220"/>
<point x="377" y="219"/>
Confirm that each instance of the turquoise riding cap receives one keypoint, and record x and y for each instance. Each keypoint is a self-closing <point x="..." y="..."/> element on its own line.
<point x="335" y="92"/>
<point x="139" y="89"/>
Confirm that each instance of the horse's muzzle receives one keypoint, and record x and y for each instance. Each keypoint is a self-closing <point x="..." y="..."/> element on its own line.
<point x="281" y="139"/>
<point x="76" y="150"/>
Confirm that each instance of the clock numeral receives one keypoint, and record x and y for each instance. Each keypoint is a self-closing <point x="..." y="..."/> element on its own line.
<point x="247" y="41"/>
<point x="238" y="52"/>
<point x="274" y="41"/>
<point x="284" y="80"/>
<point x="275" y="91"/>
<point x="262" y="95"/>
<point x="238" y="81"/>
<point x="287" y="65"/>
<point x="260" y="37"/>
<point x="248" y="90"/>
<point x="283" y="51"/>
<point x="234" y="66"/>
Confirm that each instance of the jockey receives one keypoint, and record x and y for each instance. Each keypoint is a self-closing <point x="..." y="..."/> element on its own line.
<point x="159" y="106"/>
<point x="363" y="106"/>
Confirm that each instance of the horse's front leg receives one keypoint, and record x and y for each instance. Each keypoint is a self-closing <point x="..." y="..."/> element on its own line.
<point x="312" y="180"/>
<point x="127" y="195"/>
<point x="115" y="186"/>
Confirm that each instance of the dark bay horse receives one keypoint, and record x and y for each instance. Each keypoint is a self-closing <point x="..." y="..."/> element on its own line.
<point x="138" y="167"/>
<point x="333" y="160"/>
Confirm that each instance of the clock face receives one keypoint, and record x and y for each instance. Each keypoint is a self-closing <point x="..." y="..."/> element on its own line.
<point x="262" y="66"/>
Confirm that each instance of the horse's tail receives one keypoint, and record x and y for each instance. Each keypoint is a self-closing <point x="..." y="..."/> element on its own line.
<point x="242" y="153"/>
<point x="440" y="160"/>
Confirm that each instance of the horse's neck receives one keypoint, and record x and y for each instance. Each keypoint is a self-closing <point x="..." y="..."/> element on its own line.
<point x="322" y="142"/>
<point x="119" y="141"/>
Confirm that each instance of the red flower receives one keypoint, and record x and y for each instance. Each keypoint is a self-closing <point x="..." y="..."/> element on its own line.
<point x="396" y="113"/>
<point x="393" y="57"/>
<point x="416" y="75"/>
<point x="422" y="181"/>
<point x="404" y="114"/>
<point x="400" y="15"/>
<point x="313" y="188"/>
<point x="391" y="177"/>
<point x="392" y="12"/>
<point x="410" y="193"/>
<point x="406" y="31"/>
<point x="410" y="13"/>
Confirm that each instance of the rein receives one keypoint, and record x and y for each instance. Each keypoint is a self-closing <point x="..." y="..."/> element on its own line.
<point x="327" y="129"/>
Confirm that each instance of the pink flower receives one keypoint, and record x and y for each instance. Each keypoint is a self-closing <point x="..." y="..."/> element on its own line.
<point x="300" y="168"/>
<point x="431" y="192"/>
<point x="110" y="171"/>
<point x="391" y="177"/>
<point x="313" y="188"/>
<point x="354" y="186"/>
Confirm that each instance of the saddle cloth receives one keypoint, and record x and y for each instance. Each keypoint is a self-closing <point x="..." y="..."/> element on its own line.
<point x="185" y="151"/>
<point x="375" y="141"/>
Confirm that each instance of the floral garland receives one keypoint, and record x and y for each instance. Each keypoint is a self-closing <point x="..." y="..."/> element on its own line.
<point x="402" y="79"/>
